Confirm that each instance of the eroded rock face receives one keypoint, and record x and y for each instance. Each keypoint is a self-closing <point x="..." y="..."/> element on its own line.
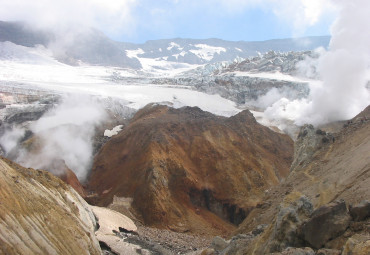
<point x="40" y="214"/>
<point x="324" y="172"/>
<point x="191" y="170"/>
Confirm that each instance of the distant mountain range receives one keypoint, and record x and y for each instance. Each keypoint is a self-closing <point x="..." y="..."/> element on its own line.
<point x="94" y="47"/>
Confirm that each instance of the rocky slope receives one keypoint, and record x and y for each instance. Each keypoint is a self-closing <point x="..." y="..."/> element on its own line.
<point x="189" y="170"/>
<point x="320" y="202"/>
<point x="89" y="45"/>
<point x="40" y="214"/>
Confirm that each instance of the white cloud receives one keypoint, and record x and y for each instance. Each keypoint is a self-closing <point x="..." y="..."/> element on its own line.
<point x="301" y="14"/>
<point x="107" y="15"/>
<point x="298" y="14"/>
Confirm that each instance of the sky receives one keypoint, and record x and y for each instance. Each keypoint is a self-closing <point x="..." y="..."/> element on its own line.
<point x="141" y="20"/>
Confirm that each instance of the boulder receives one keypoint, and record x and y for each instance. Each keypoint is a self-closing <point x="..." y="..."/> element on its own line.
<point x="361" y="211"/>
<point x="328" y="252"/>
<point x="288" y="220"/>
<point x="296" y="251"/>
<point x="326" y="223"/>
<point x="357" y="245"/>
<point x="218" y="243"/>
<point x="237" y="244"/>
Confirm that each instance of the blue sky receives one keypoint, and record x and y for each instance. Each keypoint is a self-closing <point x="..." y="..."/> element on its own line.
<point x="142" y="20"/>
<point x="204" y="19"/>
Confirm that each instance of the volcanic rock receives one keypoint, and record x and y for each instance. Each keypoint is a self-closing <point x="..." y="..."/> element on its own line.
<point x="218" y="243"/>
<point x="326" y="223"/>
<point x="328" y="252"/>
<point x="40" y="214"/>
<point x="357" y="245"/>
<point x="296" y="251"/>
<point x="187" y="169"/>
<point x="334" y="170"/>
<point x="361" y="211"/>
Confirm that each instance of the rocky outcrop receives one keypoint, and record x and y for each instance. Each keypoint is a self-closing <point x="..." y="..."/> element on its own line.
<point x="40" y="214"/>
<point x="326" y="223"/>
<point x="327" y="168"/>
<point x="189" y="170"/>
<point x="309" y="142"/>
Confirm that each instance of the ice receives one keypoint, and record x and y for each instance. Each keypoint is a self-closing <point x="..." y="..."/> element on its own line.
<point x="272" y="76"/>
<point x="47" y="74"/>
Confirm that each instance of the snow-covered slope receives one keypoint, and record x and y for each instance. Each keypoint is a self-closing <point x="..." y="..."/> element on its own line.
<point x="92" y="46"/>
<point x="204" y="51"/>
<point x="28" y="68"/>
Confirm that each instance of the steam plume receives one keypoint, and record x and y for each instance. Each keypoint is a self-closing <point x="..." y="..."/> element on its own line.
<point x="343" y="71"/>
<point x="63" y="134"/>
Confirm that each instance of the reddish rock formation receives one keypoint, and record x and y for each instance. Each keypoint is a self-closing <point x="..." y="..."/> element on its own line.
<point x="187" y="169"/>
<point x="69" y="177"/>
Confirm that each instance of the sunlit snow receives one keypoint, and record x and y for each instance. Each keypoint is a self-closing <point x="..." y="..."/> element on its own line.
<point x="207" y="52"/>
<point x="45" y="73"/>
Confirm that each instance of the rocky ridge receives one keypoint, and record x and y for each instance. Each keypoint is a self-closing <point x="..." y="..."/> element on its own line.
<point x="175" y="174"/>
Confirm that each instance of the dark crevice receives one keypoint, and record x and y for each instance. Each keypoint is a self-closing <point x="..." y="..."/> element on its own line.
<point x="105" y="247"/>
<point x="225" y="210"/>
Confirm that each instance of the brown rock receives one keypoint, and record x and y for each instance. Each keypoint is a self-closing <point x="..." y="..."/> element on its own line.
<point x="361" y="211"/>
<point x="326" y="223"/>
<point x="357" y="245"/>
<point x="69" y="177"/>
<point x="40" y="214"/>
<point x="296" y="251"/>
<point x="189" y="170"/>
<point x="328" y="252"/>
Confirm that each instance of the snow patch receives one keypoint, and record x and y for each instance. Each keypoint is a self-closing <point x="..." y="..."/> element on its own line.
<point x="134" y="53"/>
<point x="207" y="52"/>
<point x="114" y="131"/>
<point x="272" y="76"/>
<point x="173" y="45"/>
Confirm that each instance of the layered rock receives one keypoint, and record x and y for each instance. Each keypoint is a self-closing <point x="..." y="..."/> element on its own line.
<point x="40" y="214"/>
<point x="186" y="169"/>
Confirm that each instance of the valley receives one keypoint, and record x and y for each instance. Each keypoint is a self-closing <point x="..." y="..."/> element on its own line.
<point x="179" y="146"/>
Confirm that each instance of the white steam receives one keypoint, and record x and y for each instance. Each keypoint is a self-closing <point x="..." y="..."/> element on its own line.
<point x="342" y="92"/>
<point x="112" y="16"/>
<point x="10" y="139"/>
<point x="63" y="133"/>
